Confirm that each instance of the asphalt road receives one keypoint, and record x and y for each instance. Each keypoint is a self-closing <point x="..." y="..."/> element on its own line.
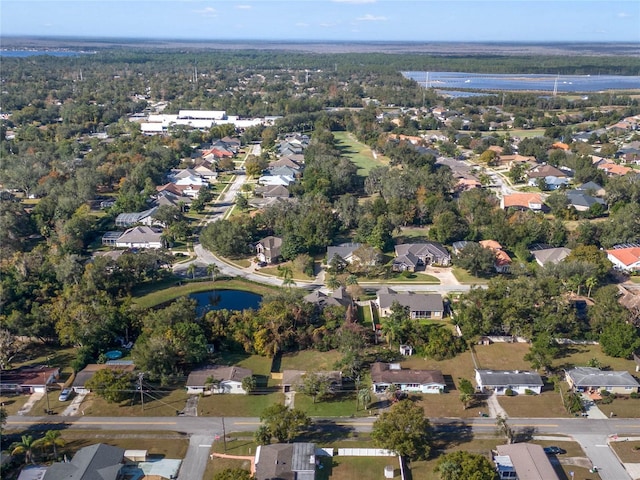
<point x="592" y="435"/>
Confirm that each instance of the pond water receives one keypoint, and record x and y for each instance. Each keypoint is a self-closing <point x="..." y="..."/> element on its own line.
<point x="535" y="82"/>
<point x="225" y="300"/>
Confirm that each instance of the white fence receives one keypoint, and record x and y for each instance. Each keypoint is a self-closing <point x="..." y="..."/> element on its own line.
<point x="365" y="452"/>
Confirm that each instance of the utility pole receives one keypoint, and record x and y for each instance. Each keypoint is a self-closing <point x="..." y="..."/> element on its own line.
<point x="46" y="393"/>
<point x="224" y="436"/>
<point x="140" y="377"/>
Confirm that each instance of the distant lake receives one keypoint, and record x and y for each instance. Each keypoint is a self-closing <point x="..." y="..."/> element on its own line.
<point x="34" y="53"/>
<point x="225" y="300"/>
<point x="453" y="81"/>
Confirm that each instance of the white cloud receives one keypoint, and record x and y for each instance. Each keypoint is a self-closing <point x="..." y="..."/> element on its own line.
<point x="371" y="18"/>
<point x="244" y="7"/>
<point x="359" y="2"/>
<point x="624" y="15"/>
<point x="302" y="24"/>
<point x="207" y="12"/>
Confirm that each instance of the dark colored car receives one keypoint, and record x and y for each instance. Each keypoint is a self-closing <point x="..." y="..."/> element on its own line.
<point x="554" y="450"/>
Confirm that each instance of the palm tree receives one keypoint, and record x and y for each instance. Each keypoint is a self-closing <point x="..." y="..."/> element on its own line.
<point x="504" y="428"/>
<point x="590" y="283"/>
<point x="52" y="439"/>
<point x="391" y="329"/>
<point x="213" y="270"/>
<point x="332" y="282"/>
<point x="285" y="272"/>
<point x="24" y="446"/>
<point x="364" y="397"/>
<point x="191" y="270"/>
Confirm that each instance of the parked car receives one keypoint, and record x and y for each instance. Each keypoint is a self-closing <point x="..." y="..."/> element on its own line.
<point x="65" y="394"/>
<point x="554" y="450"/>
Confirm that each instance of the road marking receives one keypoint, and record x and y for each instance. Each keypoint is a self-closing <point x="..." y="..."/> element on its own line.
<point x="603" y="446"/>
<point x="353" y="424"/>
<point x="30" y="422"/>
<point x="247" y="423"/>
<point x="204" y="446"/>
<point x="531" y="425"/>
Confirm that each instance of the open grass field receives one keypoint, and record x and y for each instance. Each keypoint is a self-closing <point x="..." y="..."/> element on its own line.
<point x="359" y="153"/>
<point x="534" y="132"/>
<point x="297" y="273"/>
<point x="310" y="360"/>
<point x="502" y="356"/>
<point x="341" y="405"/>
<point x="579" y="355"/>
<point x="627" y="451"/>
<point x="165" y="292"/>
<point x="237" y="405"/>
<point x="466" y="278"/>
<point x="348" y="468"/>
<point x="623" y="407"/>
<point x="546" y="405"/>
<point x="448" y="405"/>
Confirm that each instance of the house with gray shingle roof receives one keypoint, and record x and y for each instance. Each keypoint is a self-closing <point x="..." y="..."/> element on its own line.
<point x="427" y="253"/>
<point x="590" y="379"/>
<point x="99" y="461"/>
<point x="500" y="381"/>
<point x="420" y="305"/>
<point x="226" y="379"/>
<point x="581" y="201"/>
<point x="286" y="461"/>
<point x="383" y="375"/>
<point x="141" y="237"/>
<point x="550" y="255"/>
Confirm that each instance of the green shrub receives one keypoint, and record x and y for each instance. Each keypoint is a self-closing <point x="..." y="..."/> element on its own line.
<point x="606" y="400"/>
<point x="528" y="391"/>
<point x="509" y="392"/>
<point x="605" y="393"/>
<point x="634" y="395"/>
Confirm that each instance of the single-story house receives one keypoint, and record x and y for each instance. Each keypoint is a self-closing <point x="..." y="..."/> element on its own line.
<point x="141" y="237"/>
<point x="345" y="251"/>
<point x="582" y="201"/>
<point x="28" y="379"/>
<point x="384" y="375"/>
<point x="284" y="180"/>
<point x="84" y="375"/>
<point x="97" y="461"/>
<point x="411" y="255"/>
<point x="544" y="171"/>
<point x="523" y="461"/>
<point x="627" y="259"/>
<point x="500" y="381"/>
<point x="286" y="461"/>
<point x="217" y="379"/>
<point x="550" y="255"/>
<point x="531" y="201"/>
<point x="590" y="379"/>
<point x="613" y="169"/>
<point x="292" y="379"/>
<point x="420" y="305"/>
<point x="143" y="218"/>
<point x="268" y="249"/>
<point x="272" y="191"/>
<point x="592" y="188"/>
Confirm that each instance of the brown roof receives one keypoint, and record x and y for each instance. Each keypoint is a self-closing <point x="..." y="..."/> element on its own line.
<point x="28" y="376"/>
<point x="521" y="199"/>
<point x="529" y="461"/>
<point x="382" y="373"/>
<point x="89" y="371"/>
<point x="222" y="373"/>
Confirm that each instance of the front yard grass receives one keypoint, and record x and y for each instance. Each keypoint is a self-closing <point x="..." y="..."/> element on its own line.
<point x="341" y="405"/>
<point x="296" y="272"/>
<point x="465" y="277"/>
<point x="627" y="451"/>
<point x="622" y="406"/>
<point x="13" y="403"/>
<point x="548" y="404"/>
<point x="237" y="405"/>
<point x="448" y="405"/>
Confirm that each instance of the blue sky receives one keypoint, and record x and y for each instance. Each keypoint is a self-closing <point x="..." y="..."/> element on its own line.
<point x="331" y="20"/>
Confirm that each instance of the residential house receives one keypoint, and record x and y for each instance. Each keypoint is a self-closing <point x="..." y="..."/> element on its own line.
<point x="553" y="176"/>
<point x="286" y="461"/>
<point x="137" y="218"/>
<point x="409" y="256"/>
<point x="613" y="169"/>
<point x="345" y="251"/>
<point x="460" y="245"/>
<point x="206" y="171"/>
<point x="292" y="379"/>
<point x="217" y="379"/>
<point x="284" y="180"/>
<point x="523" y="461"/>
<point x="502" y="263"/>
<point x="173" y="200"/>
<point x="287" y="162"/>
<point x="141" y="237"/>
<point x="272" y="191"/>
<point x="186" y="176"/>
<point x="28" y="379"/>
<point x="550" y="255"/>
<point x="582" y="201"/>
<point x="283" y="171"/>
<point x="626" y="259"/>
<point x="269" y="249"/>
<point x="383" y="375"/>
<point x="593" y="189"/>
<point x="531" y="201"/>
<point x="511" y="160"/>
<point x="98" y="461"/>
<point x="420" y="305"/>
<point x="87" y="373"/>
<point x="189" y="190"/>
<point x="499" y="381"/>
<point x="593" y="380"/>
<point x="339" y="298"/>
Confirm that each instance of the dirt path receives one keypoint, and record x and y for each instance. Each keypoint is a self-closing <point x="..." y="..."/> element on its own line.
<point x="237" y="457"/>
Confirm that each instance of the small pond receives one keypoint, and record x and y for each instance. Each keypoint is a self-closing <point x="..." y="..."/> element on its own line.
<point x="225" y="300"/>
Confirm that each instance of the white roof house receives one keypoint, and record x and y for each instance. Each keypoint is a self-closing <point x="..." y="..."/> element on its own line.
<point x="500" y="381"/>
<point x="140" y="237"/>
<point x="589" y="379"/>
<point x="627" y="259"/>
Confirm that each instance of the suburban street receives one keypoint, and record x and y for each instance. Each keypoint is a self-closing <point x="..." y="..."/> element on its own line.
<point x="592" y="435"/>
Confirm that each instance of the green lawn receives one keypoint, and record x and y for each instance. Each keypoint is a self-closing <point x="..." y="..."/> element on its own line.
<point x="546" y="405"/>
<point x="348" y="468"/>
<point x="296" y="272"/>
<point x="579" y="355"/>
<point x="465" y="277"/>
<point x="342" y="405"/>
<point x="359" y="153"/>
<point x="237" y="405"/>
<point x="622" y="406"/>
<point x="364" y="315"/>
<point x="534" y="132"/>
<point x="310" y="360"/>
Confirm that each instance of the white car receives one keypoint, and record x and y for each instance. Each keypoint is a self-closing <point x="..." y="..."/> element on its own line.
<point x="65" y="394"/>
